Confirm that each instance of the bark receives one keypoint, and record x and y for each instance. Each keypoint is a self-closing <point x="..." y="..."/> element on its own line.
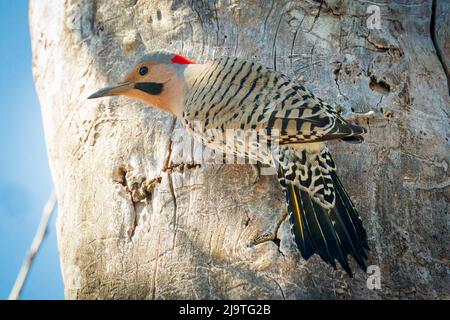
<point x="139" y="220"/>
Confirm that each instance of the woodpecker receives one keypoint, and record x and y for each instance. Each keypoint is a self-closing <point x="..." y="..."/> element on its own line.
<point x="234" y="94"/>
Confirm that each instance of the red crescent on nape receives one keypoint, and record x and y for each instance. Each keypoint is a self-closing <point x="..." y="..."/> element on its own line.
<point x="181" y="60"/>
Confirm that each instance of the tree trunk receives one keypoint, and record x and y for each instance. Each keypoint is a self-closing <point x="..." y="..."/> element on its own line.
<point x="138" y="219"/>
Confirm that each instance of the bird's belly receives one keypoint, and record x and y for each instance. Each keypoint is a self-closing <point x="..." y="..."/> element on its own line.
<point x="235" y="144"/>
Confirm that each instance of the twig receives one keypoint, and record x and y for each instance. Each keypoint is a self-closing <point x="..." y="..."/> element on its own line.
<point x="34" y="248"/>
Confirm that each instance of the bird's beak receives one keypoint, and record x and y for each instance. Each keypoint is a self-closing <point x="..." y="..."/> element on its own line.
<point x="116" y="90"/>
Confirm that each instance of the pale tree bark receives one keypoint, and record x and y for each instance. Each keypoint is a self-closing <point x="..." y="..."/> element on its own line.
<point x="190" y="234"/>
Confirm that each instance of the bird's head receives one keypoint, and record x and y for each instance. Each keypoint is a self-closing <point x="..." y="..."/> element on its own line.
<point x="157" y="79"/>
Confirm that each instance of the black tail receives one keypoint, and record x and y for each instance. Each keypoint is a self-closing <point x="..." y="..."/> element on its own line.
<point x="334" y="232"/>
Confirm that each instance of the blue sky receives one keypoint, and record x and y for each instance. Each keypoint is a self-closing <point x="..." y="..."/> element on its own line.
<point x="25" y="182"/>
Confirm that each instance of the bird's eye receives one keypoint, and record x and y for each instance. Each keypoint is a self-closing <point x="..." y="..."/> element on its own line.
<point x="143" y="71"/>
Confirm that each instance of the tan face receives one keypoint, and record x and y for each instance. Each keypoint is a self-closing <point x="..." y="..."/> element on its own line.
<point x="150" y="72"/>
<point x="156" y="84"/>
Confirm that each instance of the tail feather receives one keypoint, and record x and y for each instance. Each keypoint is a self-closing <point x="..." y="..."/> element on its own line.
<point x="352" y="213"/>
<point x="332" y="237"/>
<point x="333" y="232"/>
<point x="298" y="222"/>
<point x="319" y="241"/>
<point x="314" y="231"/>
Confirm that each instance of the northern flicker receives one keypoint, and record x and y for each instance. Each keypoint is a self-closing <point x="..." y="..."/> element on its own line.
<point x="233" y="94"/>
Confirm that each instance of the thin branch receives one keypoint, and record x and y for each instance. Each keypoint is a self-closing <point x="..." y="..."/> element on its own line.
<point x="34" y="248"/>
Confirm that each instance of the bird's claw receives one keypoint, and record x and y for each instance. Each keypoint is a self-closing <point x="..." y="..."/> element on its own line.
<point x="262" y="238"/>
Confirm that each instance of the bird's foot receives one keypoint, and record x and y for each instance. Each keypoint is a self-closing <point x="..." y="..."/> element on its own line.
<point x="267" y="236"/>
<point x="272" y="233"/>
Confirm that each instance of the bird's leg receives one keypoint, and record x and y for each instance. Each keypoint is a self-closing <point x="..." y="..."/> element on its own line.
<point x="266" y="236"/>
<point x="270" y="234"/>
<point x="256" y="167"/>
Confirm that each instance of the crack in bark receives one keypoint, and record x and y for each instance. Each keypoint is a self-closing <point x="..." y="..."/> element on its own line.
<point x="267" y="17"/>
<point x="133" y="225"/>
<point x="316" y="16"/>
<point x="294" y="39"/>
<point x="279" y="286"/>
<point x="427" y="186"/>
<point x="217" y="22"/>
<point x="237" y="44"/>
<point x="274" y="46"/>
<point x="182" y="40"/>
<point x="436" y="46"/>
<point x="155" y="271"/>
<point x="336" y="79"/>
<point x="379" y="102"/>
<point x="167" y="168"/>
<point x="119" y="176"/>
<point x="191" y="5"/>
<point x="174" y="199"/>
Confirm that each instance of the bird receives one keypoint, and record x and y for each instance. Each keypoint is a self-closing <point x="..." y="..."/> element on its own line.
<point x="243" y="96"/>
